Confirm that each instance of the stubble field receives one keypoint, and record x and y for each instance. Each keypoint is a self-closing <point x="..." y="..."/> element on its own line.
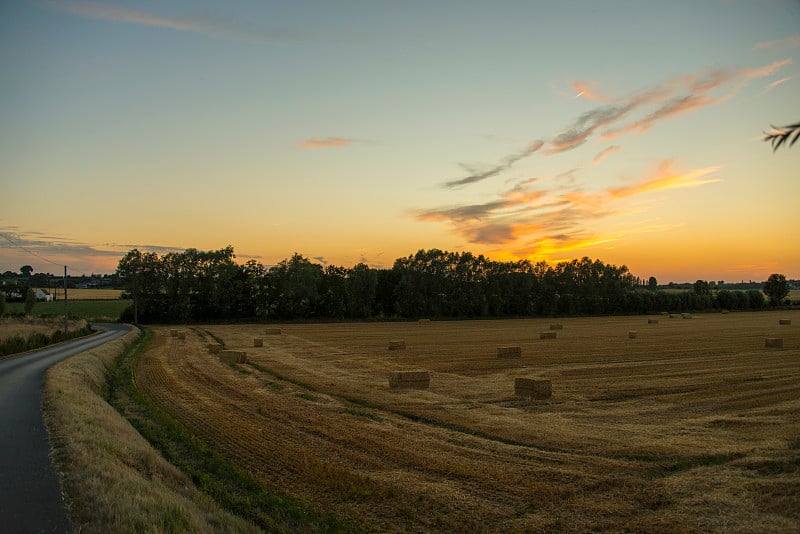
<point x="692" y="425"/>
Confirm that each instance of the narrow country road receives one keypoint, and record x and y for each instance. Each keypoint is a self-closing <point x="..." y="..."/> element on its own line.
<point x="30" y="496"/>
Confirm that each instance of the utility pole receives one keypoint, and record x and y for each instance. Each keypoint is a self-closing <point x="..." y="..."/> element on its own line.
<point x="135" y="301"/>
<point x="66" y="325"/>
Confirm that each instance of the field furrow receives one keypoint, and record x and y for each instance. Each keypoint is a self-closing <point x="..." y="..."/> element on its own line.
<point x="630" y="426"/>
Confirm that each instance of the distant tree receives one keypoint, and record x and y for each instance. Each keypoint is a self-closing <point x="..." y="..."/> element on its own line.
<point x="2" y="303"/>
<point x="39" y="280"/>
<point x="652" y="283"/>
<point x="756" y="299"/>
<point x="701" y="287"/>
<point x="30" y="300"/>
<point x="776" y="288"/>
<point x="726" y="300"/>
<point x="26" y="270"/>
<point x="362" y="283"/>
<point x="779" y="136"/>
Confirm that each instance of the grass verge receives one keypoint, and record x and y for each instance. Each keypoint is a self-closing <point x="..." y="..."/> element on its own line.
<point x="211" y="473"/>
<point x="31" y="334"/>
<point x="113" y="480"/>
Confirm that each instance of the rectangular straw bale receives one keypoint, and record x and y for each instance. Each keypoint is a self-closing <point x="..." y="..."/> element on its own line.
<point x="723" y="310"/>
<point x="547" y="335"/>
<point x="181" y="334"/>
<point x="785" y="321"/>
<point x="652" y="321"/>
<point x="409" y="379"/>
<point x="533" y="388"/>
<point x="258" y="341"/>
<point x="665" y="314"/>
<point x="632" y="334"/>
<point x="424" y="321"/>
<point x="556" y="326"/>
<point x="509" y="352"/>
<point x="774" y="342"/>
<point x="173" y="332"/>
<point x="397" y="344"/>
<point x="233" y="356"/>
<point x="686" y="315"/>
<point x="273" y="331"/>
<point x="214" y="348"/>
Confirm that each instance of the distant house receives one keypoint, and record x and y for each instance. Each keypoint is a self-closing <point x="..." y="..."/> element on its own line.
<point x="43" y="295"/>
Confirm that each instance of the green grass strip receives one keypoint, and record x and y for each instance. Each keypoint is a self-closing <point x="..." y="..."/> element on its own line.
<point x="228" y="485"/>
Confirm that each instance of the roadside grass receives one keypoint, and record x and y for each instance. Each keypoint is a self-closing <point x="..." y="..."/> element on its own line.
<point x="29" y="333"/>
<point x="113" y="480"/>
<point x="209" y="471"/>
<point x="107" y="311"/>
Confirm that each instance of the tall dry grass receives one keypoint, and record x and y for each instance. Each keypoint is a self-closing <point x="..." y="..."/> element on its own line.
<point x="112" y="478"/>
<point x="24" y="327"/>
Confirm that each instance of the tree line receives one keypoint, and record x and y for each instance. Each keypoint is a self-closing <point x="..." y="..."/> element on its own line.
<point x="199" y="285"/>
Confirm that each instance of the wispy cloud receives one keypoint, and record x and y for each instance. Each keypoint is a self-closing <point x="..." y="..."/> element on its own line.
<point x="586" y="90"/>
<point x="218" y="27"/>
<point x="538" y="215"/>
<point x="506" y="164"/>
<point x="603" y="154"/>
<point x="666" y="177"/>
<point x="634" y="114"/>
<point x="330" y="142"/>
<point x="788" y="42"/>
<point x="772" y="85"/>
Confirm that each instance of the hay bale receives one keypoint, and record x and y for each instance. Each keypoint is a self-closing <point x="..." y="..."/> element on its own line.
<point x="532" y="388"/>
<point x="785" y="321"/>
<point x="214" y="348"/>
<point x="509" y="352"/>
<point x="409" y="379"/>
<point x="632" y="334"/>
<point x="723" y="310"/>
<point x="397" y="345"/>
<point x="258" y="341"/>
<point x="173" y="332"/>
<point x="673" y="315"/>
<point x="424" y="321"/>
<point x="181" y="335"/>
<point x="273" y="331"/>
<point x="686" y="315"/>
<point x="665" y="314"/>
<point x="556" y="326"/>
<point x="773" y="342"/>
<point x="547" y="335"/>
<point x="652" y="321"/>
<point x="233" y="356"/>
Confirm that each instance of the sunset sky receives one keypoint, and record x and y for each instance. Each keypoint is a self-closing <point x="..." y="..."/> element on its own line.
<point x="349" y="132"/>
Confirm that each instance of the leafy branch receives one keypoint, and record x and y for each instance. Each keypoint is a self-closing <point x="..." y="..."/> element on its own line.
<point x="779" y="136"/>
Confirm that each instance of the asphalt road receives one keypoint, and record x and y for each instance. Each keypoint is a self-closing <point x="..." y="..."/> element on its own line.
<point x="30" y="495"/>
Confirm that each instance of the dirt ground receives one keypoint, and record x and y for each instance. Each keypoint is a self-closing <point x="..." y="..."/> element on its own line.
<point x="694" y="424"/>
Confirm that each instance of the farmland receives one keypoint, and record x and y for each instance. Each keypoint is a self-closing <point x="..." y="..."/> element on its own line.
<point x="90" y="310"/>
<point x="693" y="423"/>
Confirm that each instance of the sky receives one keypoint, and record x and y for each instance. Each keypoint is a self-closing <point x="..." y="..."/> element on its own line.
<point x="625" y="131"/>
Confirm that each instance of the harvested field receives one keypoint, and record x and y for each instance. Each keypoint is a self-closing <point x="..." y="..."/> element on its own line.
<point x="695" y="427"/>
<point x="86" y="294"/>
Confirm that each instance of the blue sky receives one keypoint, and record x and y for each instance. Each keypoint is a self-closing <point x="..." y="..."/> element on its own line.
<point x="363" y="131"/>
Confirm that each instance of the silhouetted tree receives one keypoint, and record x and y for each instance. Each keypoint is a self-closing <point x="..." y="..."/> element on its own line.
<point x="776" y="288"/>
<point x="362" y="283"/>
<point x="701" y="287"/>
<point x="652" y="283"/>
<point x="26" y="270"/>
<point x="779" y="136"/>
<point x="30" y="300"/>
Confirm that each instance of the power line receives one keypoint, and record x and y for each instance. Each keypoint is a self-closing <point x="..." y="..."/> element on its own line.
<point x="32" y="253"/>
